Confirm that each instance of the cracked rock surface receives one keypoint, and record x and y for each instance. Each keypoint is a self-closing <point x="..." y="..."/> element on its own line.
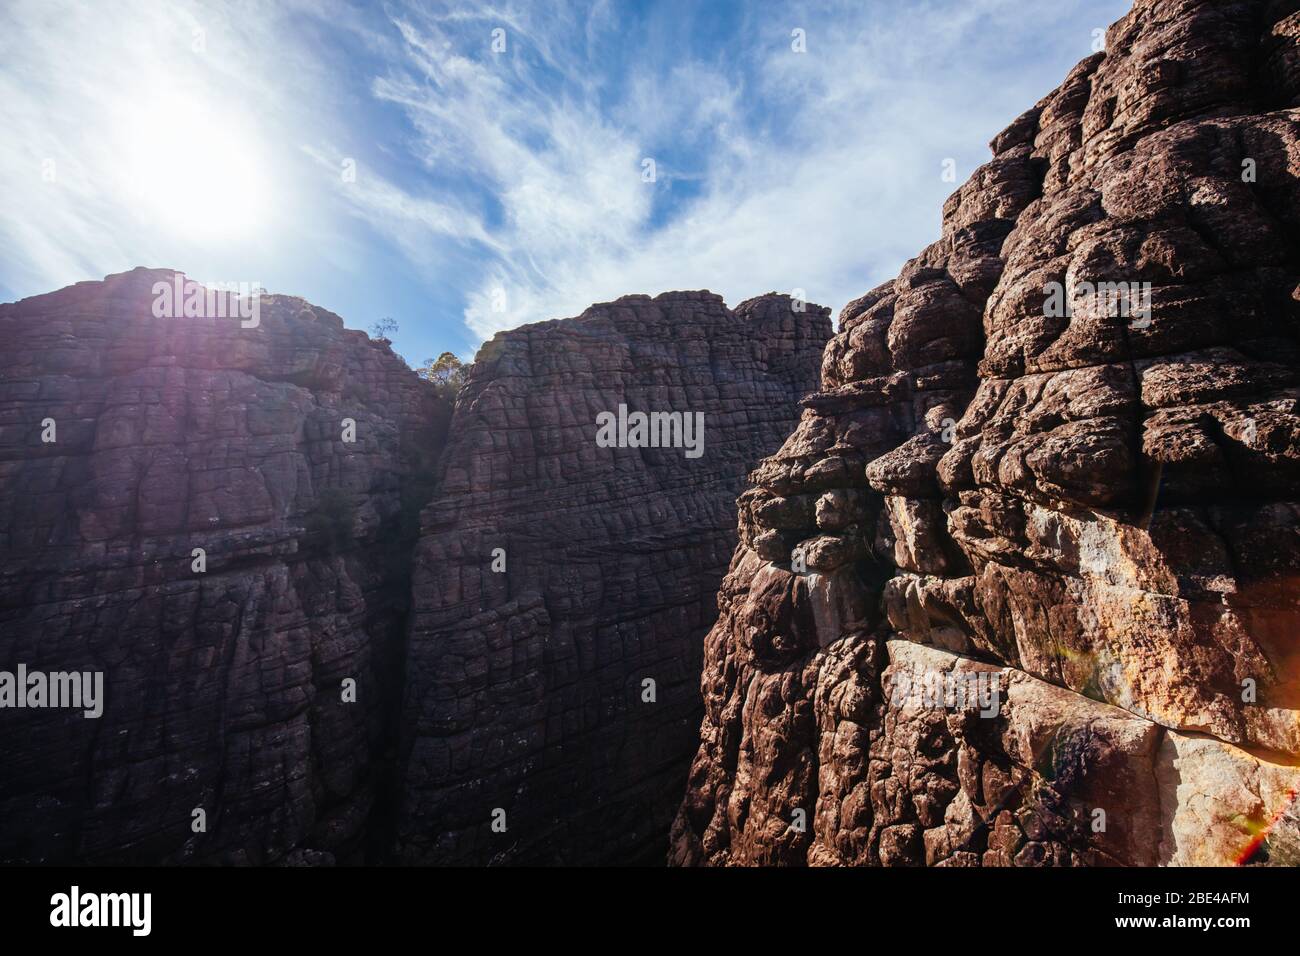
<point x="200" y="530"/>
<point x="526" y="685"/>
<point x="1097" y="505"/>
<point x="223" y="687"/>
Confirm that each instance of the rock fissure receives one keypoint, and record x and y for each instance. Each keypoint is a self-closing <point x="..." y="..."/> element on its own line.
<point x="268" y="688"/>
<point x="505" y="650"/>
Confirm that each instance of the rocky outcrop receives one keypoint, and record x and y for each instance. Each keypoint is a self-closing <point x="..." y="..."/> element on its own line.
<point x="562" y="587"/>
<point x="216" y="514"/>
<point x="1058" y="457"/>
<point x="210" y="512"/>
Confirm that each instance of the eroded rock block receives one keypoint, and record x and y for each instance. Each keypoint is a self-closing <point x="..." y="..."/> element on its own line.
<point x="1073" y="422"/>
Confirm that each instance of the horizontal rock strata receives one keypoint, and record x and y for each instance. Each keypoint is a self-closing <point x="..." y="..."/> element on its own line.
<point x="197" y="528"/>
<point x="562" y="589"/>
<point x="1062" y="446"/>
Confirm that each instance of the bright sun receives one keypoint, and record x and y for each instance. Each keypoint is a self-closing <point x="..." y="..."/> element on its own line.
<point x="193" y="168"/>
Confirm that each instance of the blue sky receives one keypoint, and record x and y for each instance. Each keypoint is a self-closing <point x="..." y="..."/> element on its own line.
<point x="383" y="159"/>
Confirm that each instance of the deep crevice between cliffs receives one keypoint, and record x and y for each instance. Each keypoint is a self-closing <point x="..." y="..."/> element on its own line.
<point x="422" y="452"/>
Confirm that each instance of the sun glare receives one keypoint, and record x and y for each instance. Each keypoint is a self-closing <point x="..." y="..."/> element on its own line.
<point x="195" y="169"/>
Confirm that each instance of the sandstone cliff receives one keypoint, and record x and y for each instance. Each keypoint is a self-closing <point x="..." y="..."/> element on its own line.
<point x="222" y="520"/>
<point x="1095" y="513"/>
<point x="555" y="577"/>
<point x="224" y="669"/>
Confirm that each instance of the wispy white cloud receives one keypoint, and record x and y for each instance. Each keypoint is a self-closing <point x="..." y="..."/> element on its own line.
<point x="515" y="179"/>
<point x="828" y="198"/>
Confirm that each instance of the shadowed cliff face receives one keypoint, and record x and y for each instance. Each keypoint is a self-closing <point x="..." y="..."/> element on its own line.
<point x="220" y="517"/>
<point x="1021" y="588"/>
<point x="562" y="587"/>
<point x="223" y="667"/>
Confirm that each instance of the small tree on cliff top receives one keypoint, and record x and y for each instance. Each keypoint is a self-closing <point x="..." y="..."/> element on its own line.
<point x="446" y="372"/>
<point x="383" y="330"/>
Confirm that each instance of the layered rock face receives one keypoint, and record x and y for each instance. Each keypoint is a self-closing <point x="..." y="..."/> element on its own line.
<point x="184" y="510"/>
<point x="562" y="587"/>
<point x="1021" y="588"/>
